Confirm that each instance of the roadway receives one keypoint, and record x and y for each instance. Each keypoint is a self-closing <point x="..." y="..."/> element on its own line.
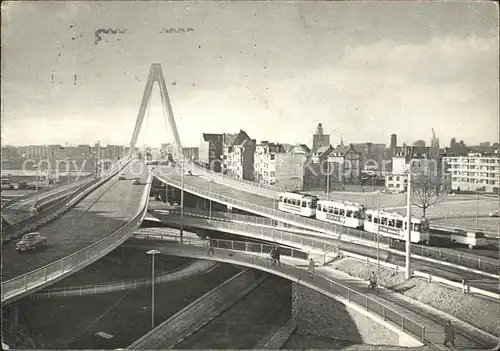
<point x="452" y="272"/>
<point x="253" y="198"/>
<point x="22" y="209"/>
<point x="99" y="214"/>
<point x="391" y="202"/>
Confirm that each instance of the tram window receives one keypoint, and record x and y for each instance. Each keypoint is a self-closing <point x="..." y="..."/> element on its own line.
<point x="319" y="207"/>
<point x="357" y="215"/>
<point x="336" y="211"/>
<point x="281" y="198"/>
<point x="406" y="225"/>
<point x="330" y="209"/>
<point x="383" y="221"/>
<point x="348" y="213"/>
<point x="304" y="204"/>
<point x="399" y="224"/>
<point x="375" y="219"/>
<point x="369" y="217"/>
<point x="391" y="223"/>
<point x="416" y="226"/>
<point x="341" y="212"/>
<point x="310" y="204"/>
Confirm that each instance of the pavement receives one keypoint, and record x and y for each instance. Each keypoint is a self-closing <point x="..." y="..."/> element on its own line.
<point x="99" y="214"/>
<point x="468" y="337"/>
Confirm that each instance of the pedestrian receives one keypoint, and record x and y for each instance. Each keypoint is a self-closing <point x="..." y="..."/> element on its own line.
<point x="278" y="255"/>
<point x="210" y="247"/>
<point x="311" y="266"/>
<point x="273" y="255"/>
<point x="449" y="334"/>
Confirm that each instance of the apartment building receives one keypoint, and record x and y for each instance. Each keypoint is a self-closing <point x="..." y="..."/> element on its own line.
<point x="273" y="165"/>
<point x="473" y="172"/>
<point x="396" y="183"/>
<point x="210" y="151"/>
<point x="238" y="155"/>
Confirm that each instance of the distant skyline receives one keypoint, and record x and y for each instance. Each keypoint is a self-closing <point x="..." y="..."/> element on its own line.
<point x="274" y="69"/>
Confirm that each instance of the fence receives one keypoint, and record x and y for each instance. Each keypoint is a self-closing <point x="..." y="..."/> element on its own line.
<point x="326" y="250"/>
<point x="77" y="260"/>
<point x="14" y="230"/>
<point x="302" y="276"/>
<point x="470" y="261"/>
<point x="120" y="285"/>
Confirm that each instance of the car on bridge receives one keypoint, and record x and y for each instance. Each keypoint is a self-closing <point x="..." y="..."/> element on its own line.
<point x="122" y="177"/>
<point x="31" y="241"/>
<point x="188" y="173"/>
<point x="137" y="181"/>
<point x="494" y="213"/>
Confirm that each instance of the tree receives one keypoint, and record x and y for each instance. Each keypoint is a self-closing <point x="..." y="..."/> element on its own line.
<point x="428" y="189"/>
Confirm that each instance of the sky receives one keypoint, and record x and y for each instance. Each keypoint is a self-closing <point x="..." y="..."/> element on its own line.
<point x="364" y="70"/>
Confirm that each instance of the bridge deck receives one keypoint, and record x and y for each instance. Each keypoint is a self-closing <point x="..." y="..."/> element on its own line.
<point x="105" y="210"/>
<point x="433" y="327"/>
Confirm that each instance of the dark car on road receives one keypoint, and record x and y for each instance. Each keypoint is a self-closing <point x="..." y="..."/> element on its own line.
<point x="122" y="177"/>
<point x="137" y="181"/>
<point x="31" y="241"/>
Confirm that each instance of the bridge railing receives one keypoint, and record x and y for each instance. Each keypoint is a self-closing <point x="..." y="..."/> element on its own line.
<point x="79" y="259"/>
<point x="317" y="248"/>
<point x="40" y="218"/>
<point x="485" y="264"/>
<point x="303" y="276"/>
<point x="292" y="219"/>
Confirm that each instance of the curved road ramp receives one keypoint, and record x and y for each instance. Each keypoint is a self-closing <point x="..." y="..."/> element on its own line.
<point x="200" y="312"/>
<point x="372" y="322"/>
<point x="99" y="223"/>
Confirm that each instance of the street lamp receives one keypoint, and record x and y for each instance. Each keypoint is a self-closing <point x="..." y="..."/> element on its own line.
<point x="69" y="166"/>
<point x="408" y="237"/>
<point x="328" y="180"/>
<point x="378" y="229"/>
<point x="153" y="253"/>
<point x="182" y="196"/>
<point x="210" y="199"/>
<point x="477" y="212"/>
<point x="36" y="183"/>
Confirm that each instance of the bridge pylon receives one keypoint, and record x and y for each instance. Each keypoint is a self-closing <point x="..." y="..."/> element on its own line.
<point x="156" y="75"/>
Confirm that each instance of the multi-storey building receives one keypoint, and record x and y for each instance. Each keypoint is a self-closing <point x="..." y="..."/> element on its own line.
<point x="237" y="155"/>
<point x="210" y="151"/>
<point x="474" y="172"/>
<point x="371" y="155"/>
<point x="274" y="166"/>
<point x="190" y="153"/>
<point x="396" y="183"/>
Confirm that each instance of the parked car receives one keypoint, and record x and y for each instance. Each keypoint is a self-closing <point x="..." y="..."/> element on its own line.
<point x="122" y="177"/>
<point x="137" y="181"/>
<point x="188" y="173"/>
<point x="494" y="213"/>
<point x="31" y="241"/>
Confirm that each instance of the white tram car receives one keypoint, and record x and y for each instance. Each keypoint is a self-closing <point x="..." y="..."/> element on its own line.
<point x="301" y="204"/>
<point x="341" y="212"/>
<point x="394" y="225"/>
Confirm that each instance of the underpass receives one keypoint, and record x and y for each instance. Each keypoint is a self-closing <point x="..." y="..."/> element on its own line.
<point x="102" y="212"/>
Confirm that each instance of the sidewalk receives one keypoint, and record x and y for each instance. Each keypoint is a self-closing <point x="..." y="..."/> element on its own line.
<point x="434" y="326"/>
<point x="467" y="336"/>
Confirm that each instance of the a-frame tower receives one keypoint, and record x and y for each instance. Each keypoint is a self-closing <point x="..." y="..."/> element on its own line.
<point x="156" y="75"/>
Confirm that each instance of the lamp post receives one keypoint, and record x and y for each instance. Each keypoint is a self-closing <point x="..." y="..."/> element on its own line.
<point x="378" y="229"/>
<point x="153" y="253"/>
<point x="36" y="183"/>
<point x="69" y="165"/>
<point x="327" y="179"/>
<point x="182" y="196"/>
<point x="477" y="211"/>
<point x="210" y="200"/>
<point x="408" y="237"/>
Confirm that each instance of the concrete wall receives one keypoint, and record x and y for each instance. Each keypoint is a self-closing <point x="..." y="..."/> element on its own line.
<point x="320" y="315"/>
